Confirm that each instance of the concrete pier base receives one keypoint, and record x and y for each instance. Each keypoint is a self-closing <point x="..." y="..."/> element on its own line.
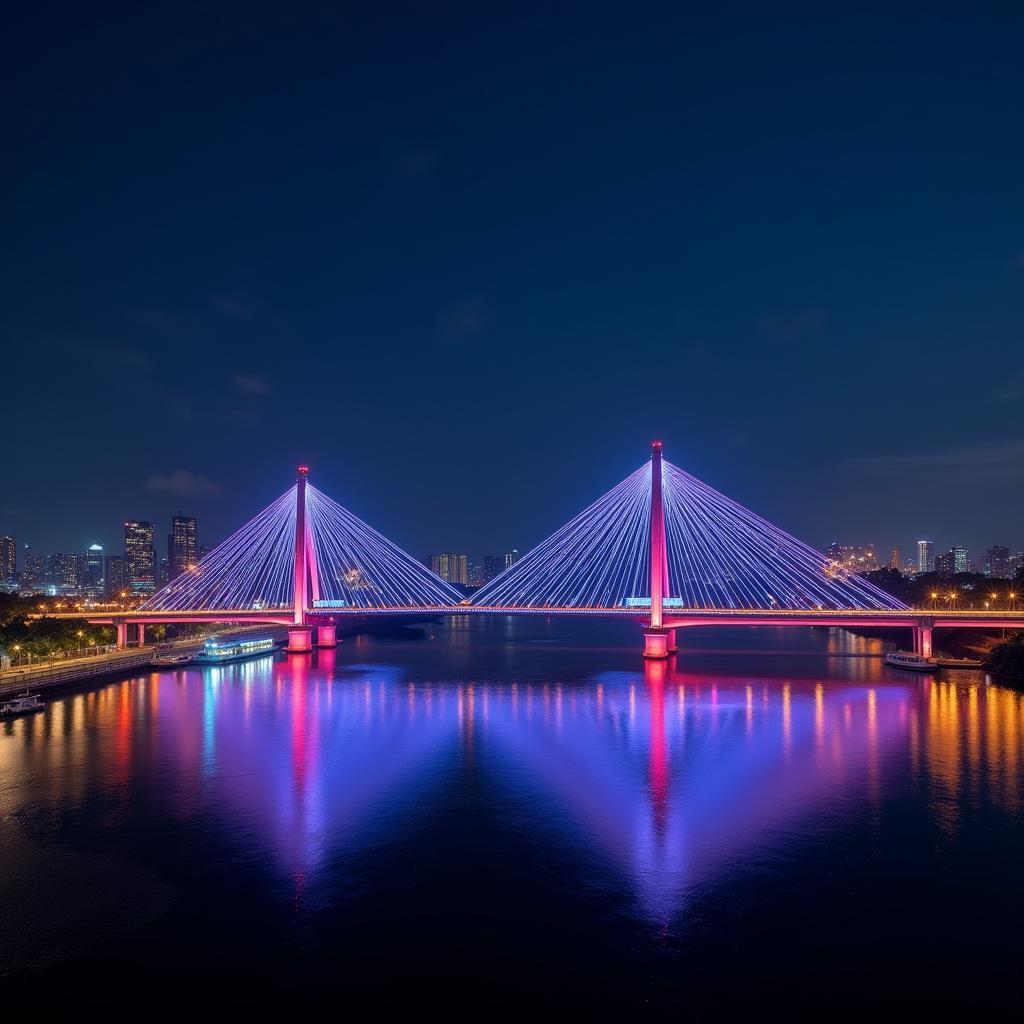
<point x="300" y="640"/>
<point x="656" y="643"/>
<point x="326" y="636"/>
<point x="671" y="642"/>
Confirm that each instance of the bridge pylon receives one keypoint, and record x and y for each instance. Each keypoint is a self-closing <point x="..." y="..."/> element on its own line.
<point x="306" y="579"/>
<point x="658" y="643"/>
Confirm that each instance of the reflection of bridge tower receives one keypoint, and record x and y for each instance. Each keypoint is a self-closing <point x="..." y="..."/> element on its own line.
<point x="655" y="673"/>
<point x="658" y="641"/>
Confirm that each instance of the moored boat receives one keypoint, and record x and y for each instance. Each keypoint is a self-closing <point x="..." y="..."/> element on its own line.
<point x="910" y="662"/>
<point x="171" y="659"/>
<point x="24" y="704"/>
<point x="959" y="663"/>
<point x="216" y="653"/>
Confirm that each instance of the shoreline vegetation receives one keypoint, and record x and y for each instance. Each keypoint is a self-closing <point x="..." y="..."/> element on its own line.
<point x="1005" y="660"/>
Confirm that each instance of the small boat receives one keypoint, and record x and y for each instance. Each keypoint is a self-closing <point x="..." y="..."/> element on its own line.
<point x="216" y="653"/>
<point x="170" y="659"/>
<point x="958" y="663"/>
<point x="910" y="662"/>
<point x="24" y="704"/>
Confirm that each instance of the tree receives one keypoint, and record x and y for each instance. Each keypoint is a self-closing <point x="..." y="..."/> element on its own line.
<point x="1007" y="658"/>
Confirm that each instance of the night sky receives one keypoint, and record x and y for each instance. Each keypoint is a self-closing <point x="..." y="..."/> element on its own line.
<point x="467" y="260"/>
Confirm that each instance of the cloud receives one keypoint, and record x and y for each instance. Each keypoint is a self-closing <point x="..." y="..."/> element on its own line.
<point x="251" y="384"/>
<point x="962" y="466"/>
<point x="183" y="483"/>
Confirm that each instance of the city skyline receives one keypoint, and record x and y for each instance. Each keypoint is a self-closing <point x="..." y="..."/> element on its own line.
<point x="975" y="556"/>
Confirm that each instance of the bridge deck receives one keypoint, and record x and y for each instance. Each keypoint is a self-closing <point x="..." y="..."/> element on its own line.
<point x="674" y="618"/>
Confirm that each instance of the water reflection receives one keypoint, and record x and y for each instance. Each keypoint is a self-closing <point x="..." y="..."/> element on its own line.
<point x="657" y="776"/>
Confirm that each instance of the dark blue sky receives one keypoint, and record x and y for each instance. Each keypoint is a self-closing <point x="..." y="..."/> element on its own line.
<point x="466" y="260"/>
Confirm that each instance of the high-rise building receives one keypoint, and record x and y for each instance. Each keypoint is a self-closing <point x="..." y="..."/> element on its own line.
<point x="494" y="565"/>
<point x="140" y="556"/>
<point x="8" y="562"/>
<point x="511" y="558"/>
<point x="960" y="562"/>
<point x="65" y="573"/>
<point x="1016" y="563"/>
<point x="115" y="577"/>
<point x="997" y="562"/>
<point x="92" y="575"/>
<point x="451" y="566"/>
<point x="925" y="556"/>
<point x="944" y="564"/>
<point x="182" y="546"/>
<point x="33" y="578"/>
<point x="894" y="559"/>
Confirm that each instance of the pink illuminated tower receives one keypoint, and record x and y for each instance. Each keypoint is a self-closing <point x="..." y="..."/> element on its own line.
<point x="301" y="547"/>
<point x="300" y="637"/>
<point x="658" y="641"/>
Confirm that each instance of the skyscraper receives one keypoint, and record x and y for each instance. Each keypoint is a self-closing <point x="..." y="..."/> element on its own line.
<point x="182" y="546"/>
<point x="997" y="562"/>
<point x="511" y="558"/>
<point x="140" y="557"/>
<point x="944" y="564"/>
<point x="925" y="556"/>
<point x="115" y="581"/>
<point x="33" y="578"/>
<point x="92" y="577"/>
<point x="65" y="573"/>
<point x="960" y="562"/>
<point x="8" y="562"/>
<point x="894" y="559"/>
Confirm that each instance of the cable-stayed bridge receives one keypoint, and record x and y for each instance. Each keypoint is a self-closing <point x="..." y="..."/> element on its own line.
<point x="662" y="548"/>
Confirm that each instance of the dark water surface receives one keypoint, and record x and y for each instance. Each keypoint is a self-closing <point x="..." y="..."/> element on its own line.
<point x="519" y="810"/>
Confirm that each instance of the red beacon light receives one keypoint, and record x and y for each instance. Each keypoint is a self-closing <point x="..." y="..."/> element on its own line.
<point x="656" y="445"/>
<point x="303" y="470"/>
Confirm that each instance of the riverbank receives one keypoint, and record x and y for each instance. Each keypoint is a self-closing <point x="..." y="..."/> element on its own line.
<point x="69" y="673"/>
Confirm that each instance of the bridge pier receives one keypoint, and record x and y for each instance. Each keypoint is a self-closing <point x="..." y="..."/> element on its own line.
<point x="141" y="634"/>
<point x="326" y="636"/>
<point x="671" y="643"/>
<point x="122" y="634"/>
<point x="923" y="640"/>
<point x="300" y="640"/>
<point x="656" y="642"/>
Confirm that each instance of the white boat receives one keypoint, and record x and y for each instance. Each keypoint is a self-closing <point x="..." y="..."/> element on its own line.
<point x="910" y="662"/>
<point x="23" y="704"/>
<point x="216" y="653"/>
